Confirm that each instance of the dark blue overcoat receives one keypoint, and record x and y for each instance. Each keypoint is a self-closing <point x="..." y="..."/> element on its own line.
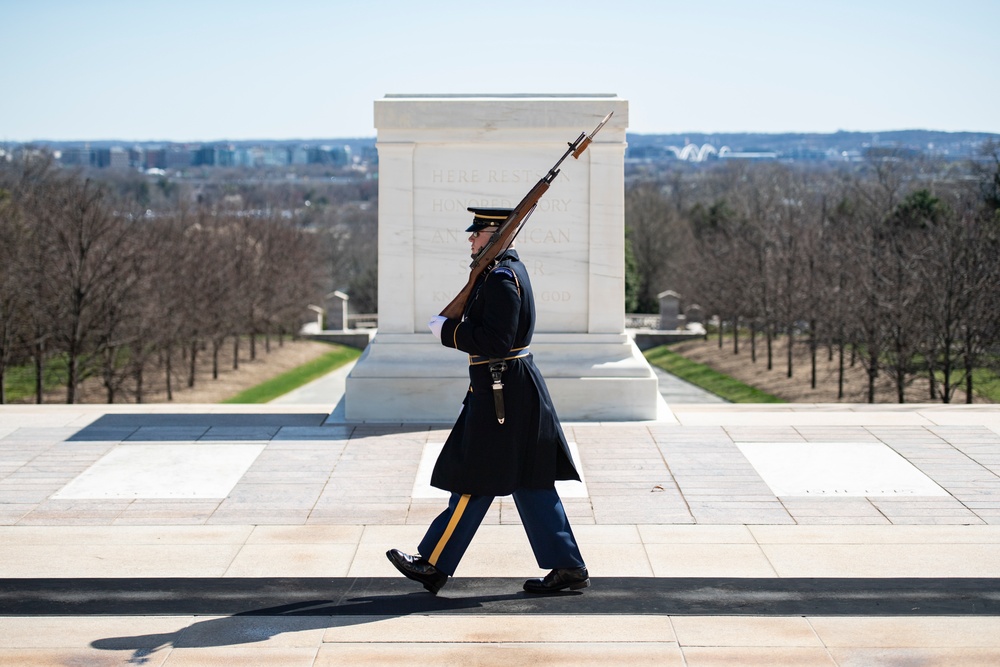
<point x="529" y="450"/>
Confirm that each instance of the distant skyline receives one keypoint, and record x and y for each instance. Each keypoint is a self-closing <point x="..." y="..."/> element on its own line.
<point x="299" y="69"/>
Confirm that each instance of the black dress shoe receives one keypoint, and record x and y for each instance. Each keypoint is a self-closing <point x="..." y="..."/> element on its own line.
<point x="573" y="578"/>
<point x="418" y="569"/>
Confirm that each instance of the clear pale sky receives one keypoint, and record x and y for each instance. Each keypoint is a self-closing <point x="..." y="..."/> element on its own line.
<point x="204" y="70"/>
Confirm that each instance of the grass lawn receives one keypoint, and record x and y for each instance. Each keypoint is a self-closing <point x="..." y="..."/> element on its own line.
<point x="985" y="383"/>
<point x="704" y="377"/>
<point x="295" y="378"/>
<point x="19" y="381"/>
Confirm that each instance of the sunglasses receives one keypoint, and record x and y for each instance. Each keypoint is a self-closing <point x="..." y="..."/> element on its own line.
<point x="475" y="235"/>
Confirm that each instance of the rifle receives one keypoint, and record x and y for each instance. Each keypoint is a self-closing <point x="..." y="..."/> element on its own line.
<point x="509" y="229"/>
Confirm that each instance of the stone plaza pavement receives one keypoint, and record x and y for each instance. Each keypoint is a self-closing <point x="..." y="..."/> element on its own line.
<point x="717" y="534"/>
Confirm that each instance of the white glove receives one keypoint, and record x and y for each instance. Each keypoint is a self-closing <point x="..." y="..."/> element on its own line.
<point x="435" y="325"/>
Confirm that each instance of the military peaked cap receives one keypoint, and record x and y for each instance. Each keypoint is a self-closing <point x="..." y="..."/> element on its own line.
<point x="486" y="218"/>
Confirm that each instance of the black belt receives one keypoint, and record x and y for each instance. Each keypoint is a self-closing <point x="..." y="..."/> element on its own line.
<point x="516" y="353"/>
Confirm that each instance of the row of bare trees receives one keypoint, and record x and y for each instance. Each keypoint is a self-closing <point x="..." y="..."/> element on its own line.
<point x="893" y="264"/>
<point x="93" y="279"/>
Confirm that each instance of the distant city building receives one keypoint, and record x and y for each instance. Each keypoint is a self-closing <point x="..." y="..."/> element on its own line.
<point x="338" y="156"/>
<point x="298" y="155"/>
<point x="76" y="157"/>
<point x="110" y="158"/>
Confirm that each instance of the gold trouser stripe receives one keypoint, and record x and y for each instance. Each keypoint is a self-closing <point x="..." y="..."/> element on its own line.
<point x="452" y="523"/>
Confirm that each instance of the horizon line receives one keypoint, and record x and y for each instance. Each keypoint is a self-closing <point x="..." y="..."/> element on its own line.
<point x="375" y="137"/>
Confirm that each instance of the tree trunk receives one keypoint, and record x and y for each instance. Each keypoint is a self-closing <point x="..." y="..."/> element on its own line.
<point x="39" y="372"/>
<point x="170" y="386"/>
<point x="71" y="371"/>
<point x="812" y="351"/>
<point x="968" y="381"/>
<point x="931" y="376"/>
<point x="236" y="352"/>
<point x="770" y="346"/>
<point x="193" y="361"/>
<point x="753" y="341"/>
<point x="216" y="344"/>
<point x="872" y="374"/>
<point x="840" y="372"/>
<point x="736" y="335"/>
<point x="791" y="344"/>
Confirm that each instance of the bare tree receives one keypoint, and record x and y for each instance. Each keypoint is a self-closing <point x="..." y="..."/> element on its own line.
<point x="653" y="230"/>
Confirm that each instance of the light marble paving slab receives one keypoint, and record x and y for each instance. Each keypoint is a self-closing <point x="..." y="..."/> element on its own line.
<point x="277" y="631"/>
<point x="874" y="535"/>
<point x="520" y="628"/>
<point x="883" y="560"/>
<point x="650" y="654"/>
<point x="744" y="631"/>
<point x="916" y="657"/>
<point x="614" y="560"/>
<point x="720" y="416"/>
<point x="400" y="537"/>
<point x="709" y="560"/>
<point x="47" y="657"/>
<point x="498" y="560"/>
<point x="591" y="534"/>
<point x="422" y="483"/>
<point x="765" y="656"/>
<point x="164" y="471"/>
<point x="305" y="535"/>
<point x="79" y="631"/>
<point x="238" y="656"/>
<point x="43" y="417"/>
<point x="293" y="560"/>
<point x="937" y="632"/>
<point x="123" y="535"/>
<point x="665" y="534"/>
<point x="837" y="469"/>
<point x="116" y="560"/>
<point x="37" y="434"/>
<point x="960" y="415"/>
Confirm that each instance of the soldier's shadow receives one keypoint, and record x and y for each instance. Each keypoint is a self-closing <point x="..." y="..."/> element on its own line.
<point x="261" y="624"/>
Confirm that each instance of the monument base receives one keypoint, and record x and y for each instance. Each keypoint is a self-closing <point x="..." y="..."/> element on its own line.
<point x="413" y="378"/>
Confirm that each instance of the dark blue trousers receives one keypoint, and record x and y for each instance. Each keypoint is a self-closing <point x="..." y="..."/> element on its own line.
<point x="542" y="514"/>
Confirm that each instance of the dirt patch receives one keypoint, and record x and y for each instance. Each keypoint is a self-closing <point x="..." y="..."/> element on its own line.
<point x="281" y="358"/>
<point x="798" y="389"/>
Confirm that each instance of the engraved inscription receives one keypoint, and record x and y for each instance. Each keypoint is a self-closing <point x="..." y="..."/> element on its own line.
<point x="513" y="176"/>
<point x="528" y="235"/>
<point x="491" y="176"/>
<point x="537" y="235"/>
<point x="447" y="236"/>
<point x="454" y="205"/>
<point x="455" y="176"/>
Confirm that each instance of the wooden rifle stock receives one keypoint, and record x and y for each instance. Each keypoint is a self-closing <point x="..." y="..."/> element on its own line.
<point x="510" y="227"/>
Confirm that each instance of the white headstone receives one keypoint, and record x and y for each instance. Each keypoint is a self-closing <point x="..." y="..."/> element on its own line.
<point x="670" y="310"/>
<point x="336" y="312"/>
<point x="438" y="155"/>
